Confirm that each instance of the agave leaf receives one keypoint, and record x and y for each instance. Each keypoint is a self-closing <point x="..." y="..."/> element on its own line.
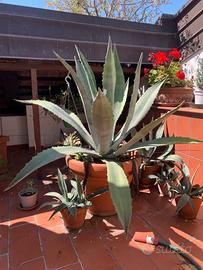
<point x="86" y="75"/>
<point x="67" y="116"/>
<point x="85" y="99"/>
<point x="62" y="185"/>
<point x="56" y="195"/>
<point x="122" y="133"/>
<point x="174" y="158"/>
<point x="121" y="89"/>
<point x="144" y="131"/>
<point x="194" y="174"/>
<point x="58" y="209"/>
<point x="167" y="152"/>
<point x="109" y="73"/>
<point x="197" y="192"/>
<point x="184" y="199"/>
<point x="162" y="142"/>
<point x="45" y="157"/>
<point x="144" y="104"/>
<point x="102" y="116"/>
<point x="120" y="192"/>
<point x="50" y="205"/>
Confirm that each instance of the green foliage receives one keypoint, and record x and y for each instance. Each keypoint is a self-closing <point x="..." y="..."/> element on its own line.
<point x="185" y="188"/>
<point x="102" y="110"/>
<point x="70" y="200"/>
<point x="199" y="77"/>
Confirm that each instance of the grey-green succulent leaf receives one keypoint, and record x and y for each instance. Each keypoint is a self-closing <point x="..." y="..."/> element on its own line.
<point x="120" y="192"/>
<point x="102" y="116"/>
<point x="144" y="131"/>
<point x="65" y="115"/>
<point x="86" y="75"/>
<point x="122" y="133"/>
<point x="45" y="157"/>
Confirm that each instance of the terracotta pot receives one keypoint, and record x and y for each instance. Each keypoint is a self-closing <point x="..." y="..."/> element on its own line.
<point x="187" y="212"/>
<point x="27" y="201"/>
<point x="101" y="205"/>
<point x="147" y="170"/>
<point x="173" y="96"/>
<point x="74" y="222"/>
<point x="3" y="153"/>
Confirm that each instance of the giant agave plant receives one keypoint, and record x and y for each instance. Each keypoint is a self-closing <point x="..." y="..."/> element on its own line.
<point x="102" y="109"/>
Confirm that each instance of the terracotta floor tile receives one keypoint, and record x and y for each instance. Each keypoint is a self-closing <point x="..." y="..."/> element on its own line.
<point x="42" y="219"/>
<point x="24" y="244"/>
<point x="37" y="264"/>
<point x="3" y="239"/>
<point x="4" y="262"/>
<point x="57" y="248"/>
<point x="4" y="208"/>
<point x="89" y="244"/>
<point x="72" y="267"/>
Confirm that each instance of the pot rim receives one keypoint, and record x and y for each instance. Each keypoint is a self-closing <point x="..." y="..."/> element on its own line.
<point x="24" y="190"/>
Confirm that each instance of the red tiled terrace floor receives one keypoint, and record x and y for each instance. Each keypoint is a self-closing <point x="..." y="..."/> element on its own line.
<point x="28" y="241"/>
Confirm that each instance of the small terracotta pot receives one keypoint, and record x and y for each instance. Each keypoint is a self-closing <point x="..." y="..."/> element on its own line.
<point x="101" y="205"/>
<point x="74" y="222"/>
<point x="147" y="170"/>
<point x="27" y="201"/>
<point x="187" y="212"/>
<point x="173" y="96"/>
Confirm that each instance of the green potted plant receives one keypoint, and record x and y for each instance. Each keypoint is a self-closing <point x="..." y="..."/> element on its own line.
<point x="72" y="204"/>
<point x="176" y="89"/>
<point x="151" y="158"/>
<point x="188" y="196"/>
<point x="109" y="163"/>
<point x="199" y="83"/>
<point x="28" y="196"/>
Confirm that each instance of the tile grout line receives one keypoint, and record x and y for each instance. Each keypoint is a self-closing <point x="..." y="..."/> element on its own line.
<point x="77" y="255"/>
<point x="40" y="242"/>
<point x="67" y="265"/>
<point x="9" y="228"/>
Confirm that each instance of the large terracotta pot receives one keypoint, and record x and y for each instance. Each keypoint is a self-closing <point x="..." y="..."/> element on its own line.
<point x="173" y="96"/>
<point x="101" y="205"/>
<point x="3" y="154"/>
<point x="145" y="181"/>
<point x="187" y="212"/>
<point x="74" y="222"/>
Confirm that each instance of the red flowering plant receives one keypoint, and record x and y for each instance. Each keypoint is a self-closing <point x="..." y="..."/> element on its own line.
<point x="166" y="66"/>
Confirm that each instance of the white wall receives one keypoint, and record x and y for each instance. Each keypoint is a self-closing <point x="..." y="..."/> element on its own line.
<point x="16" y="128"/>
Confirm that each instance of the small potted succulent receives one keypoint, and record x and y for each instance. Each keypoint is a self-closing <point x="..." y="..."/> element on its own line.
<point x="28" y="196"/>
<point x="151" y="159"/>
<point x="176" y="89"/>
<point x="188" y="196"/>
<point x="71" y="202"/>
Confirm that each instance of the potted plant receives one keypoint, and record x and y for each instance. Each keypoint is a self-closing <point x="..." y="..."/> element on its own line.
<point x="151" y="159"/>
<point x="188" y="197"/>
<point x="28" y="196"/>
<point x="109" y="162"/>
<point x="3" y="154"/>
<point x="72" y="204"/>
<point x="199" y="83"/>
<point x="176" y="88"/>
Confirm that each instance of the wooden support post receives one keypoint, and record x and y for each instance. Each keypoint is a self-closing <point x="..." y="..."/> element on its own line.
<point x="36" y="120"/>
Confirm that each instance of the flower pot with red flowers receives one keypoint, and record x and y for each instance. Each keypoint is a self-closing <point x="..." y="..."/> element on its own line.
<point x="176" y="89"/>
<point x="188" y="196"/>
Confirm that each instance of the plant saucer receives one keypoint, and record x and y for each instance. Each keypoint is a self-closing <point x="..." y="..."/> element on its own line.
<point x="28" y="208"/>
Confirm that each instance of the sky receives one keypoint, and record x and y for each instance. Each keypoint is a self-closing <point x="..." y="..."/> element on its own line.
<point x="170" y="9"/>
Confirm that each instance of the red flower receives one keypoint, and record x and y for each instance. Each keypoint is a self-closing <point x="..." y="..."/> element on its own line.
<point x="175" y="53"/>
<point x="146" y="71"/>
<point x="180" y="75"/>
<point x="160" y="58"/>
